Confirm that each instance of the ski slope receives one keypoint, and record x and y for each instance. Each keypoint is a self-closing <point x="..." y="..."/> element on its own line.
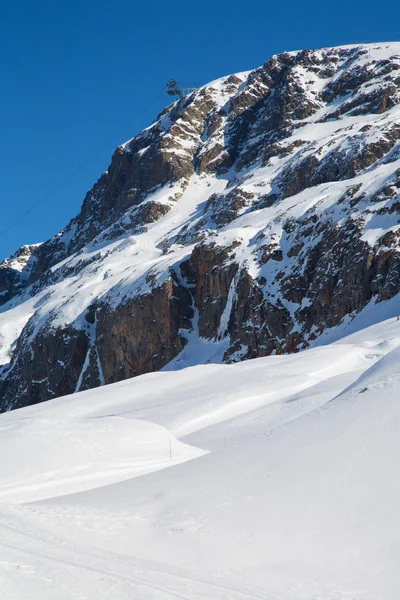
<point x="269" y="479"/>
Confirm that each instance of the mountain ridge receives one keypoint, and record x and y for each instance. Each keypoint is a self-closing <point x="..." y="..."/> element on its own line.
<point x="252" y="216"/>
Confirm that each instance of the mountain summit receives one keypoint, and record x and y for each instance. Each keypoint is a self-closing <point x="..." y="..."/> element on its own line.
<point x="253" y="217"/>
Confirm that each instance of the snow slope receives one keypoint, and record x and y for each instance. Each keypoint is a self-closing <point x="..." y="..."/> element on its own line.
<point x="287" y="486"/>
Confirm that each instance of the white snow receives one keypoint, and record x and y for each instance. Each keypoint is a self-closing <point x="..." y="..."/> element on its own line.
<point x="288" y="485"/>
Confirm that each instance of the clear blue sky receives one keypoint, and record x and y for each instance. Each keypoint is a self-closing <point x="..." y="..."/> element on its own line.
<point x="74" y="73"/>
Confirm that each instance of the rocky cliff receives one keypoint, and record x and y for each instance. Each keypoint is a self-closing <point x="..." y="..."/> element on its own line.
<point x="251" y="217"/>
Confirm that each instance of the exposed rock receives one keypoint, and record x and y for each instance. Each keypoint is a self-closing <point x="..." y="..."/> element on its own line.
<point x="256" y="213"/>
<point x="15" y="270"/>
<point x="144" y="333"/>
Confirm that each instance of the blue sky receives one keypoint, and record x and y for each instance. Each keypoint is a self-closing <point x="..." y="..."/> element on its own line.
<point x="76" y="74"/>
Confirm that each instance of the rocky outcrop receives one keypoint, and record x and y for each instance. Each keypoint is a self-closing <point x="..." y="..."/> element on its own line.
<point x="143" y="334"/>
<point x="209" y="273"/>
<point x="50" y="368"/>
<point x="253" y="215"/>
<point x="15" y="271"/>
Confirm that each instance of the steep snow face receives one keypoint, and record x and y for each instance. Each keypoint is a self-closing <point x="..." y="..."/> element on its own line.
<point x="254" y="216"/>
<point x="271" y="478"/>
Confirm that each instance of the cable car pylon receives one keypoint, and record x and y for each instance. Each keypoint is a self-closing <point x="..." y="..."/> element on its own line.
<point x="173" y="89"/>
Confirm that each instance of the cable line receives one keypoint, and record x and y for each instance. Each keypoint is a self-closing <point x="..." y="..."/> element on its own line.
<point x="79" y="167"/>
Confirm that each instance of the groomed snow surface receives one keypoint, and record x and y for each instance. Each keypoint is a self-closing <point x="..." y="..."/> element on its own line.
<point x="272" y="479"/>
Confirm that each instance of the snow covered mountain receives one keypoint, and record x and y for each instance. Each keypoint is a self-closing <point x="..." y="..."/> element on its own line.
<point x="259" y="215"/>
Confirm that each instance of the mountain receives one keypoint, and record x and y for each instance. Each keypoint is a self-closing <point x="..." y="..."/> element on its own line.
<point x="258" y="215"/>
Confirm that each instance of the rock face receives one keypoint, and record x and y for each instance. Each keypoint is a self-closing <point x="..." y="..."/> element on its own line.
<point x="15" y="272"/>
<point x="251" y="217"/>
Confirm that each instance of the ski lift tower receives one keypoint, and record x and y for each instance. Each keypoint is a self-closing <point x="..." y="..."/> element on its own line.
<point x="174" y="90"/>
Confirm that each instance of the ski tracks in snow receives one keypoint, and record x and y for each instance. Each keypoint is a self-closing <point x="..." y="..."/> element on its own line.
<point x="163" y="579"/>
